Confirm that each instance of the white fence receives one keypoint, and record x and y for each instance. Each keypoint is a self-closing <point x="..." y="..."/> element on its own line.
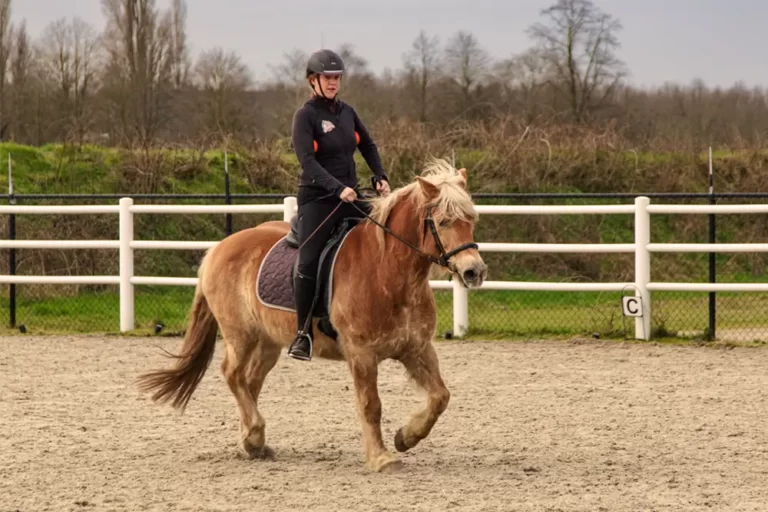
<point x="642" y="248"/>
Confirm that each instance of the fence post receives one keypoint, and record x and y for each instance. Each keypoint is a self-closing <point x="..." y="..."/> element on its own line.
<point x="12" y="252"/>
<point x="289" y="204"/>
<point x="460" y="308"/>
<point x="12" y="265"/>
<point x="712" y="261"/>
<point x="643" y="266"/>
<point x="227" y="194"/>
<point x="126" y="265"/>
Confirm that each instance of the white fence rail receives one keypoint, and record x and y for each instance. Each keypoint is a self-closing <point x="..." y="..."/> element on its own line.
<point x="642" y="248"/>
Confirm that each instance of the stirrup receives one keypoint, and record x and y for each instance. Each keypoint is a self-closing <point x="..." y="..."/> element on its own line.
<point x="298" y="353"/>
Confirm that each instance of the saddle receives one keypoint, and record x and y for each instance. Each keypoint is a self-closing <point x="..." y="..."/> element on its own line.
<point x="274" y="284"/>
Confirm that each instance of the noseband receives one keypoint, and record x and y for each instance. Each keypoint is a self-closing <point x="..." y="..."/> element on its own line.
<point x="444" y="258"/>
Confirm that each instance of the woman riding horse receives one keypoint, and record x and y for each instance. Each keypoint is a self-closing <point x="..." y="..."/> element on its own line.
<point x="382" y="307"/>
<point x="325" y="133"/>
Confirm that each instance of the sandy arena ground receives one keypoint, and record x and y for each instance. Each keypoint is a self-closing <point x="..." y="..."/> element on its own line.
<point x="538" y="426"/>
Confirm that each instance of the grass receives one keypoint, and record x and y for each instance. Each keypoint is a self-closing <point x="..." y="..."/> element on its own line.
<point x="492" y="314"/>
<point x="99" y="312"/>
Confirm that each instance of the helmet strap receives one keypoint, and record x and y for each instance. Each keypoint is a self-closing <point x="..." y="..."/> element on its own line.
<point x="320" y="86"/>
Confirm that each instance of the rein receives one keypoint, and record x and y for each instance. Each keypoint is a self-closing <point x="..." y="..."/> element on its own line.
<point x="443" y="260"/>
<point x="320" y="225"/>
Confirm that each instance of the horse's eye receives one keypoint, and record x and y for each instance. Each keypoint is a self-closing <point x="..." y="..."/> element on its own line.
<point x="444" y="223"/>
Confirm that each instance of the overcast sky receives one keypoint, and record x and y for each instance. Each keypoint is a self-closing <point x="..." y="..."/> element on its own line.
<point x="719" y="41"/>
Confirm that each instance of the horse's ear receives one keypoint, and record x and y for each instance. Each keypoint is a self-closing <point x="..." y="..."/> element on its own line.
<point x="430" y="189"/>
<point x="463" y="174"/>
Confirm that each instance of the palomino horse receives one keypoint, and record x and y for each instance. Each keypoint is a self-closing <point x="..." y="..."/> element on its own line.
<point x="382" y="307"/>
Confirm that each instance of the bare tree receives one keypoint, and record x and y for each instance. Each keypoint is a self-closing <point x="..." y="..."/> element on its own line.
<point x="69" y="53"/>
<point x="6" y="39"/>
<point x="466" y="64"/>
<point x="358" y="80"/>
<point x="359" y="83"/>
<point x="522" y="78"/>
<point x="223" y="77"/>
<point x="180" y="62"/>
<point x="139" y="41"/>
<point x="289" y="87"/>
<point x="354" y="64"/>
<point x="579" y="40"/>
<point x="292" y="71"/>
<point x="422" y="63"/>
<point x="21" y="61"/>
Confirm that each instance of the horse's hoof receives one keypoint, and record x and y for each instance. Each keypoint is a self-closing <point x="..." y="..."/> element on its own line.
<point x="262" y="453"/>
<point x="385" y="462"/>
<point x="394" y="466"/>
<point x="399" y="443"/>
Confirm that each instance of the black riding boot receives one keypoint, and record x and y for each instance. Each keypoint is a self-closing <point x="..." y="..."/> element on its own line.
<point x="304" y="292"/>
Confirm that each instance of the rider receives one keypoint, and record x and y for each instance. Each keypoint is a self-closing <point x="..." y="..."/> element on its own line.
<point x="325" y="131"/>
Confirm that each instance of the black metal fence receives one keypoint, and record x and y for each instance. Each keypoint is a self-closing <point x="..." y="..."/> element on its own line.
<point x="492" y="314"/>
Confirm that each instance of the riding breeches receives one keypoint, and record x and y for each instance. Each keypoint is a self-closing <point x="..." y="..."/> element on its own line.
<point x="311" y="216"/>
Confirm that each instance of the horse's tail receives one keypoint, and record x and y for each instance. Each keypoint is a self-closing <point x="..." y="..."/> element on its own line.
<point x="180" y="382"/>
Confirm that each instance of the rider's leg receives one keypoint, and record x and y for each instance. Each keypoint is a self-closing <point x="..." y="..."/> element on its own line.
<point x="304" y="291"/>
<point x="311" y="215"/>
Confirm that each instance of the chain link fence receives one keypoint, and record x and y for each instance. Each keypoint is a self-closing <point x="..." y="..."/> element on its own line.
<point x="46" y="309"/>
<point x="492" y="314"/>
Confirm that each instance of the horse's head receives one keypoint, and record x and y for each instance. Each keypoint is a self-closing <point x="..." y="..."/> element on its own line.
<point x="436" y="212"/>
<point x="449" y="220"/>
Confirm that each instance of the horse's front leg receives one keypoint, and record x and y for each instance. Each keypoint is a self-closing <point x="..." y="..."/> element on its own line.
<point x="364" y="368"/>
<point x="421" y="363"/>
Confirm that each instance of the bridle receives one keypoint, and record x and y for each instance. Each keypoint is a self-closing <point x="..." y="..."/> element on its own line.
<point x="444" y="258"/>
<point x="429" y="223"/>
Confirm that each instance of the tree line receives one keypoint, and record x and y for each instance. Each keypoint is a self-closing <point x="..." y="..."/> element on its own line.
<point x="134" y="82"/>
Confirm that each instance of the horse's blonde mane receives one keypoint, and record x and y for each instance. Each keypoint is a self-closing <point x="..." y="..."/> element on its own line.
<point x="452" y="203"/>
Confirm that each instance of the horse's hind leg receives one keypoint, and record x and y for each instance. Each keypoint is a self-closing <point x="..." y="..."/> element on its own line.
<point x="246" y="363"/>
<point x="263" y="360"/>
<point x="422" y="365"/>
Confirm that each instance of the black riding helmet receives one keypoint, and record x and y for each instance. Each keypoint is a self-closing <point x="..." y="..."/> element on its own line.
<point x="325" y="62"/>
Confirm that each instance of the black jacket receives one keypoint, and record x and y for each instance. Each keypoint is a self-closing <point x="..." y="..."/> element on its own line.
<point x="332" y="123"/>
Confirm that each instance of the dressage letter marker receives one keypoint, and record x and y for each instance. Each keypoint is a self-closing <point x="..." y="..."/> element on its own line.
<point x="632" y="306"/>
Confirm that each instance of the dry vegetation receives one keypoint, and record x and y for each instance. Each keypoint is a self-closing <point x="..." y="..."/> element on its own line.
<point x="135" y="83"/>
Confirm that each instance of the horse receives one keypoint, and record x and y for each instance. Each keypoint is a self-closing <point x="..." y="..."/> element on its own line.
<point x="382" y="307"/>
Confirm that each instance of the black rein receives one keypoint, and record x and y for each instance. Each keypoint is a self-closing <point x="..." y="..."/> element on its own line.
<point x="429" y="222"/>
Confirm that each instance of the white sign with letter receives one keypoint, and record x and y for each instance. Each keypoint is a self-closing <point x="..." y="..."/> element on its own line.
<point x="632" y="306"/>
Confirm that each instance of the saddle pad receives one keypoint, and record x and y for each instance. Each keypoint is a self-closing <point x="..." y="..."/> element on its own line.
<point x="274" y="283"/>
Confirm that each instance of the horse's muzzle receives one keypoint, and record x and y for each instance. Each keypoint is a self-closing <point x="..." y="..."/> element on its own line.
<point x="474" y="275"/>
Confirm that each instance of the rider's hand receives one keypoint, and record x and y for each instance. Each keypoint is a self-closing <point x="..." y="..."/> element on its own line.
<point x="348" y="195"/>
<point x="383" y="187"/>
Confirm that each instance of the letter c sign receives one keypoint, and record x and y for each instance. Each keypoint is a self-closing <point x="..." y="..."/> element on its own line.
<point x="632" y="306"/>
